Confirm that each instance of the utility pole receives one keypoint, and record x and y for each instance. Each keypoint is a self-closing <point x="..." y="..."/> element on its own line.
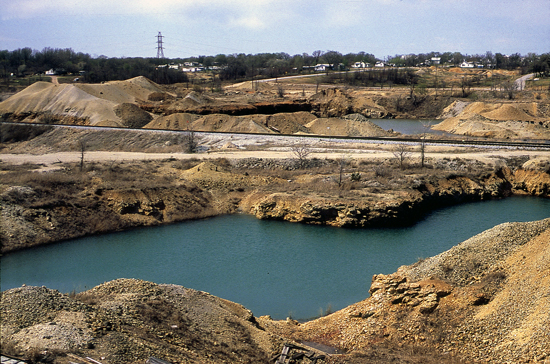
<point x="160" y="49"/>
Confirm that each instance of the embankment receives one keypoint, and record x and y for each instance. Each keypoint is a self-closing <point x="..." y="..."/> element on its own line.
<point x="48" y="208"/>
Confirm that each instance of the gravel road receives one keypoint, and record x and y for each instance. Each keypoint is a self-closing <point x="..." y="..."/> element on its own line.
<point x="53" y="159"/>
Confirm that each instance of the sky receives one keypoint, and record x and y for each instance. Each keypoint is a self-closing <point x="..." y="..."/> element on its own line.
<point x="129" y="28"/>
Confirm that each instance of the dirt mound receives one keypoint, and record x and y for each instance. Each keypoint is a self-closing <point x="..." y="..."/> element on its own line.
<point x="252" y="86"/>
<point x="191" y="101"/>
<point x="507" y="112"/>
<point x="209" y="175"/>
<point x="179" y="121"/>
<point x="495" y="120"/>
<point x="228" y="123"/>
<point x="342" y="127"/>
<point x="132" y="116"/>
<point x="128" y="321"/>
<point x="94" y="103"/>
<point x="132" y="90"/>
<point x="290" y="123"/>
<point x="453" y="109"/>
<point x="160" y="96"/>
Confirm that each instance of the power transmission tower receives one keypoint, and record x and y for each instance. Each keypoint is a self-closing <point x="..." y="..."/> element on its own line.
<point x="160" y="49"/>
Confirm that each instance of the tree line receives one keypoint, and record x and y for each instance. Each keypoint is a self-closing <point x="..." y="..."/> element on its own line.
<point x="530" y="63"/>
<point x="26" y="61"/>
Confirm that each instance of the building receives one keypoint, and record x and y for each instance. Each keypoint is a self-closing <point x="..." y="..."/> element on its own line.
<point x="360" y="65"/>
<point x="321" y="67"/>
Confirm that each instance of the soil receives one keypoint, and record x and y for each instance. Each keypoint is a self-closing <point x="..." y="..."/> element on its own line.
<point x="484" y="300"/>
<point x="511" y="120"/>
<point x="259" y="108"/>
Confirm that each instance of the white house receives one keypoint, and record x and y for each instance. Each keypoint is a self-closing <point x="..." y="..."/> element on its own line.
<point x="322" y="67"/>
<point x="360" y="65"/>
<point x="379" y="64"/>
<point x="467" y="65"/>
<point x="192" y="69"/>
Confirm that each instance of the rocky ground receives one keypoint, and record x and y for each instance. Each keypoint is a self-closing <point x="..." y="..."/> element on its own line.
<point x="451" y="308"/>
<point x="485" y="300"/>
<point x="282" y="107"/>
<point x="129" y="321"/>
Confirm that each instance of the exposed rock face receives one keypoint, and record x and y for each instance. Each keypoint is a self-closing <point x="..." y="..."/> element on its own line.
<point x="32" y="216"/>
<point x="399" y="209"/>
<point x="329" y="212"/>
<point x="28" y="221"/>
<point x="334" y="102"/>
<point x="425" y="294"/>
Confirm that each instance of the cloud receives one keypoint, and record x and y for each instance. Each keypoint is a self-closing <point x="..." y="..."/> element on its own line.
<point x="251" y="22"/>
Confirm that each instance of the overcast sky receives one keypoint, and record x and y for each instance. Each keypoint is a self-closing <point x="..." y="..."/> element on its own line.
<point x="128" y="28"/>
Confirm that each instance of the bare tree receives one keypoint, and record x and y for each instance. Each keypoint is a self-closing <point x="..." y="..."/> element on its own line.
<point x="82" y="147"/>
<point x="301" y="152"/>
<point x="465" y="85"/>
<point x="190" y="141"/>
<point x="401" y="154"/>
<point x="317" y="54"/>
<point x="280" y="91"/>
<point x="510" y="88"/>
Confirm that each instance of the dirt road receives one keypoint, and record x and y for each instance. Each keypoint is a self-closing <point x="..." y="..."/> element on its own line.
<point x="54" y="160"/>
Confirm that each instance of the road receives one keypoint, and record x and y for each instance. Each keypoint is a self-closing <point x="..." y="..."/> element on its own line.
<point x="520" y="82"/>
<point x="53" y="161"/>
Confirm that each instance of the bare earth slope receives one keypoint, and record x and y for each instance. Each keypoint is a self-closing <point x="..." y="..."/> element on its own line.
<point x="485" y="300"/>
<point x="497" y="120"/>
<point x="128" y="321"/>
<point x="90" y="104"/>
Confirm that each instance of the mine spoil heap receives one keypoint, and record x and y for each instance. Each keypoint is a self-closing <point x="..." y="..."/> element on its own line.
<point x="485" y="300"/>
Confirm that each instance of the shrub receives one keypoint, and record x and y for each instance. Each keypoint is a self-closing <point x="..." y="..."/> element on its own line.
<point x="356" y="176"/>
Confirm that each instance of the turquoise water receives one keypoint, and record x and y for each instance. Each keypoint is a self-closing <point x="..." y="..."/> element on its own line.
<point x="408" y="126"/>
<point x="270" y="267"/>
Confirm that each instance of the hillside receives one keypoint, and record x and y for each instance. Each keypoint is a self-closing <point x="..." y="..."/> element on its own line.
<point x="276" y="108"/>
<point x="503" y="120"/>
<point x="484" y="300"/>
<point x="84" y="104"/>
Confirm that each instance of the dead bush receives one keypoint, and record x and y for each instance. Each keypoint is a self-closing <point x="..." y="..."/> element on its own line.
<point x="382" y="171"/>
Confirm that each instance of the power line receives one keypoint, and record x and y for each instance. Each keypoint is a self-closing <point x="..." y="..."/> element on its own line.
<point x="160" y="49"/>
